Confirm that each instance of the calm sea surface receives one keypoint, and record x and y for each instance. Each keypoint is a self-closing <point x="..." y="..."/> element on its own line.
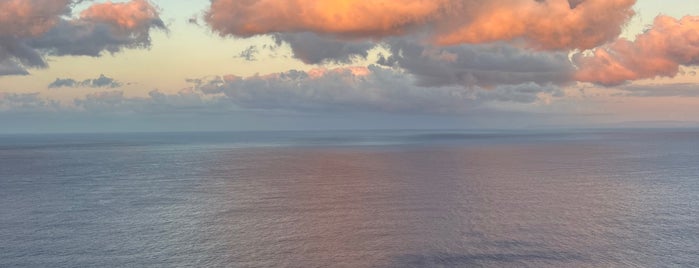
<point x="351" y="199"/>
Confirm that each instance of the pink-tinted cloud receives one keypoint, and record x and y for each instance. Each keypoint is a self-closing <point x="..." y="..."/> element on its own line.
<point x="32" y="29"/>
<point x="26" y="18"/>
<point x="348" y="17"/>
<point x="660" y="51"/>
<point x="133" y="15"/>
<point x="544" y="24"/>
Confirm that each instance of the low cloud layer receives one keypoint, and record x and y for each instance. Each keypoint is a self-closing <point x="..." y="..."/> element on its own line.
<point x="370" y="88"/>
<point x="662" y="90"/>
<point x="103" y="27"/>
<point x="25" y="102"/>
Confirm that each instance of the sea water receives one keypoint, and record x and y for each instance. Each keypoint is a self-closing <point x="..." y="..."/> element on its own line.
<point x="606" y="198"/>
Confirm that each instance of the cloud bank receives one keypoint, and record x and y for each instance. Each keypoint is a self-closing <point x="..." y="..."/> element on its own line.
<point x="371" y="88"/>
<point x="485" y="66"/>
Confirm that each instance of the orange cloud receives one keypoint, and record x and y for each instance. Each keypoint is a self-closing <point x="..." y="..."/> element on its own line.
<point x="550" y="24"/>
<point x="29" y="18"/>
<point x="32" y="29"/>
<point x="657" y="52"/>
<point x="136" y="14"/>
<point x="545" y="24"/>
<point x="344" y="17"/>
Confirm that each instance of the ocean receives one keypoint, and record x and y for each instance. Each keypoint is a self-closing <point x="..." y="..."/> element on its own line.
<point x="595" y="198"/>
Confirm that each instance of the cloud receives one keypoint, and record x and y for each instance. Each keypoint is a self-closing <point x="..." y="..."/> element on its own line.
<point x="59" y="82"/>
<point x="484" y="66"/>
<point x="345" y="90"/>
<point x="659" y="51"/>
<point x="11" y="67"/>
<point x="25" y="102"/>
<point x="15" y="52"/>
<point x="30" y="18"/>
<point x="101" y="82"/>
<point x="370" y="88"/>
<point x="32" y="29"/>
<point x="183" y="102"/>
<point x="470" y="43"/>
<point x="312" y="48"/>
<point x="661" y="90"/>
<point x="249" y="54"/>
<point x="541" y="24"/>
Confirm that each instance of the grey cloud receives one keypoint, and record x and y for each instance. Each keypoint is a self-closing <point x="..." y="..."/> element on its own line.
<point x="58" y="83"/>
<point x="157" y="102"/>
<point x="478" y="65"/>
<point x="101" y="82"/>
<point x="373" y="97"/>
<point x="249" y="54"/>
<point x="312" y="48"/>
<point x="486" y="66"/>
<point x="661" y="90"/>
<point x="11" y="67"/>
<point x="348" y="90"/>
<point x="16" y="55"/>
<point x="371" y="89"/>
<point x="82" y="38"/>
<point x="60" y="35"/>
<point x="211" y="85"/>
<point x="523" y="93"/>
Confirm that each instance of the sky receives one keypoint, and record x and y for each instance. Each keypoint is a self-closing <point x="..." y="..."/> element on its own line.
<point x="200" y="65"/>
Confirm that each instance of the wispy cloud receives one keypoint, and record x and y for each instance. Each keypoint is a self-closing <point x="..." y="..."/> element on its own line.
<point x="101" y="82"/>
<point x="661" y="90"/>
